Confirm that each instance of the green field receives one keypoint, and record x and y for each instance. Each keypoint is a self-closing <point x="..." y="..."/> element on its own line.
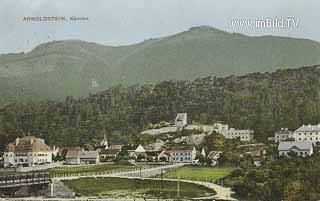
<point x="88" y="168"/>
<point x="120" y="187"/>
<point x="199" y="173"/>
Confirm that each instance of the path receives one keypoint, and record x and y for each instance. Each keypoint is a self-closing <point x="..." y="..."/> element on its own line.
<point x="223" y="193"/>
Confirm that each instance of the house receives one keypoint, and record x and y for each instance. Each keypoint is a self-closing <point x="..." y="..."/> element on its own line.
<point x="300" y="148"/>
<point x="214" y="156"/>
<point x="27" y="151"/>
<point x="309" y="133"/>
<point x="89" y="157"/>
<point x="180" y="154"/>
<point x="231" y="133"/>
<point x="72" y="156"/>
<point x="181" y="120"/>
<point x="109" y="154"/>
<point x="78" y="156"/>
<point x="283" y="134"/>
<point x="116" y="147"/>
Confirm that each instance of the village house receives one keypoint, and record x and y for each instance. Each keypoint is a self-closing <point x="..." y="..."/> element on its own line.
<point x="108" y="154"/>
<point x="300" y="148"/>
<point x="309" y="133"/>
<point x="78" y="156"/>
<point x="180" y="154"/>
<point x="283" y="134"/>
<point x="27" y="151"/>
<point x="231" y="133"/>
<point x="214" y="156"/>
<point x="138" y="152"/>
<point x="181" y="120"/>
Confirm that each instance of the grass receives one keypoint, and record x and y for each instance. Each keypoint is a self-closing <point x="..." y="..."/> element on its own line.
<point x="120" y="187"/>
<point x="199" y="173"/>
<point x="87" y="168"/>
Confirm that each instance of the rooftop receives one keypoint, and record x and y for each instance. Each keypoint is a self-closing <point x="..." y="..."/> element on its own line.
<point x="28" y="144"/>
<point x="283" y="131"/>
<point x="309" y="128"/>
<point x="284" y="146"/>
<point x="182" y="148"/>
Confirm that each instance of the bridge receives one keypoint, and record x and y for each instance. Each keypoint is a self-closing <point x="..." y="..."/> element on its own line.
<point x="26" y="179"/>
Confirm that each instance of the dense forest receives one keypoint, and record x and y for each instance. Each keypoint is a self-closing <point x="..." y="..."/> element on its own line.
<point x="264" y="102"/>
<point x="290" y="179"/>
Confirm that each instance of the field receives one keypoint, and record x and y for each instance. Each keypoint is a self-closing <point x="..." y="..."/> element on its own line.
<point x="120" y="187"/>
<point x="199" y="173"/>
<point x="88" y="168"/>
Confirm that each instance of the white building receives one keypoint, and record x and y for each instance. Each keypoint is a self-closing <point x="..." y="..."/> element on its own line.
<point x="231" y="133"/>
<point x="77" y="156"/>
<point x="309" y="133"/>
<point x="181" y="120"/>
<point x="181" y="154"/>
<point x="300" y="148"/>
<point x="27" y="151"/>
<point x="283" y="134"/>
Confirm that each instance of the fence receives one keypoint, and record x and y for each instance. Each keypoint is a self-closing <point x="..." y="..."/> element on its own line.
<point x="142" y="171"/>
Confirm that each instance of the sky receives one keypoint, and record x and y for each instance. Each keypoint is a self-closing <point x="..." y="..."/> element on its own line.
<point x="124" y="22"/>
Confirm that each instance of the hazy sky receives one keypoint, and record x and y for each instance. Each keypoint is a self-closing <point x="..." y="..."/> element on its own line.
<point x="122" y="22"/>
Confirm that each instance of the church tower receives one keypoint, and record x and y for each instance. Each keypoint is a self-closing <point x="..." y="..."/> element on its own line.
<point x="104" y="142"/>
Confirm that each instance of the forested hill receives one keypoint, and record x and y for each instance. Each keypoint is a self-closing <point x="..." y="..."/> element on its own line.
<point x="264" y="102"/>
<point x="76" y="68"/>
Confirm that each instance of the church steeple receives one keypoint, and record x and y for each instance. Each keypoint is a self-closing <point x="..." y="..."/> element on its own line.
<point x="104" y="142"/>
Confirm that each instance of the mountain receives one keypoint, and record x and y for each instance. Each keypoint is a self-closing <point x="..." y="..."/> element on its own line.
<point x="75" y="68"/>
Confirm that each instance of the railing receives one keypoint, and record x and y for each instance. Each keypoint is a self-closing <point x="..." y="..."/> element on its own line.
<point x="24" y="180"/>
<point x="142" y="171"/>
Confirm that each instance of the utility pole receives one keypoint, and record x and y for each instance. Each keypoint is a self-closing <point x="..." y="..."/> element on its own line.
<point x="161" y="185"/>
<point x="178" y="191"/>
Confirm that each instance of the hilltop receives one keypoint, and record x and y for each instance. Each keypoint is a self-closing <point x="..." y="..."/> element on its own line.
<point x="76" y="68"/>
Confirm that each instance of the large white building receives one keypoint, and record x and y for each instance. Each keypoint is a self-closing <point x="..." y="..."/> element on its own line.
<point x="27" y="151"/>
<point x="180" y="154"/>
<point x="283" y="134"/>
<point x="300" y="148"/>
<point x="231" y="133"/>
<point x="309" y="133"/>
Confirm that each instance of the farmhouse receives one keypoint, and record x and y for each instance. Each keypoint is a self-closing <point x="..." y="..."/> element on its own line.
<point x="27" y="151"/>
<point x="300" y="148"/>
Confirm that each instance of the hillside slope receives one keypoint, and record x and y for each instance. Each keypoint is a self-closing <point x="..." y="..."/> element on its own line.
<point x="264" y="102"/>
<point x="75" y="68"/>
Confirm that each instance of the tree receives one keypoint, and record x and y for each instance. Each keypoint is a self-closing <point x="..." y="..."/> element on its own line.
<point x="293" y="191"/>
